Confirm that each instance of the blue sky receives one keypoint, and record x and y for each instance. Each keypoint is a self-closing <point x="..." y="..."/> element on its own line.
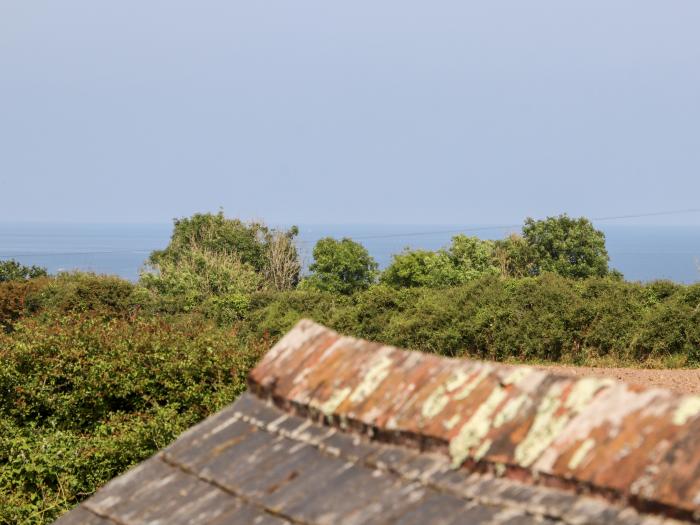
<point x="389" y="112"/>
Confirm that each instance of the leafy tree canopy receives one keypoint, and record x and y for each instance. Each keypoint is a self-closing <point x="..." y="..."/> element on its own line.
<point x="213" y="258"/>
<point x="414" y="268"/>
<point x="514" y="256"/>
<point x="466" y="259"/>
<point x="566" y="246"/>
<point x="472" y="256"/>
<point x="341" y="266"/>
<point x="11" y="270"/>
<point x="215" y="233"/>
<point x="196" y="276"/>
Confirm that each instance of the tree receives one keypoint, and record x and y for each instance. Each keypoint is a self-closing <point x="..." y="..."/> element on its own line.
<point x="214" y="233"/>
<point x="413" y="268"/>
<point x="282" y="265"/>
<point x="567" y="246"/>
<point x="249" y="246"/>
<point x="513" y="256"/>
<point x="214" y="264"/>
<point x="342" y="267"/>
<point x="12" y="270"/>
<point x="464" y="260"/>
<point x="473" y="257"/>
<point x="198" y="276"/>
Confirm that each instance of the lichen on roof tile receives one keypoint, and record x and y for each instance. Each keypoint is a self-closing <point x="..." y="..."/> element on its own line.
<point x="594" y="432"/>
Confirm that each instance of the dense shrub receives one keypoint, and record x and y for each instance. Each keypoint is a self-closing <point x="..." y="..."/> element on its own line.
<point x="268" y="252"/>
<point x="417" y="268"/>
<point x="83" y="398"/>
<point x="369" y="313"/>
<point x="89" y="292"/>
<point x="226" y="309"/>
<point x="562" y="245"/>
<point x="186" y="283"/>
<point x="466" y="259"/>
<point x="217" y="234"/>
<point x="671" y="328"/>
<point x="12" y="270"/>
<point x="18" y="299"/>
<point x="273" y="314"/>
<point x="45" y="471"/>
<point x="486" y="318"/>
<point x="213" y="264"/>
<point x="514" y="257"/>
<point x="535" y="319"/>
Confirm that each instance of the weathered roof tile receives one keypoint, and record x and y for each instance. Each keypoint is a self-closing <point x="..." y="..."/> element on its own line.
<point x="597" y="433"/>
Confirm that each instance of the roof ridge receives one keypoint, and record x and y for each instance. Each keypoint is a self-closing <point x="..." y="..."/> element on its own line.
<point x="586" y="434"/>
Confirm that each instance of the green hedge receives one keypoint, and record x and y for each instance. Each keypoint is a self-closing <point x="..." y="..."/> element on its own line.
<point x="83" y="397"/>
<point x="534" y="319"/>
<point x="96" y="375"/>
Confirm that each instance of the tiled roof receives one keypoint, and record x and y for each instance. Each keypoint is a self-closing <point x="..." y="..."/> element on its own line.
<point x="334" y="430"/>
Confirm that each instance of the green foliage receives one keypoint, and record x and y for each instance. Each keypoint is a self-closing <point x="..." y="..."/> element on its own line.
<point x="467" y="258"/>
<point x="225" y="309"/>
<point x="369" y="313"/>
<point x="18" y="298"/>
<point x="472" y="256"/>
<point x="11" y="270"/>
<point x="45" y="471"/>
<point x="83" y="398"/>
<point x="268" y="252"/>
<point x="216" y="263"/>
<point x="89" y="292"/>
<point x="196" y="276"/>
<point x="214" y="234"/>
<point x="413" y="268"/>
<point x="514" y="257"/>
<point x="273" y="314"/>
<point x="671" y="327"/>
<point x="561" y="245"/>
<point x="73" y="292"/>
<point x="546" y="318"/>
<point x="342" y="267"/>
<point x="659" y="291"/>
<point x="567" y="246"/>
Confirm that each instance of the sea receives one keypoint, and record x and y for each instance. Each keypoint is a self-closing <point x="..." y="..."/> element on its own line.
<point x="641" y="253"/>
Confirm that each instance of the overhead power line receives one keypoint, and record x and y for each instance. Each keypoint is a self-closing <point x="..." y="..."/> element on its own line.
<point x="642" y="215"/>
<point x="63" y="254"/>
<point x="511" y="226"/>
<point x="388" y="235"/>
<point x="441" y="232"/>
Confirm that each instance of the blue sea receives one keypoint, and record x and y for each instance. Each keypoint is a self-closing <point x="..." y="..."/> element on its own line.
<point x="641" y="253"/>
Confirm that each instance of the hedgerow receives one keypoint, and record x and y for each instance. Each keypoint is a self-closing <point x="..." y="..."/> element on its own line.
<point x="84" y="396"/>
<point x="547" y="318"/>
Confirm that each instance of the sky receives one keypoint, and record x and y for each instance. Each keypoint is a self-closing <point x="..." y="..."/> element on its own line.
<point x="392" y="112"/>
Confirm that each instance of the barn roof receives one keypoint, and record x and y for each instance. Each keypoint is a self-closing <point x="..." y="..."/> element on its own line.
<point x="336" y="430"/>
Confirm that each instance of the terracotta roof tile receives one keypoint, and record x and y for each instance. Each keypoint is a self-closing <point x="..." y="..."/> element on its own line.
<point x="591" y="434"/>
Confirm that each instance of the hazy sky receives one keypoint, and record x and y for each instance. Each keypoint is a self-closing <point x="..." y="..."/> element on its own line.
<point x="348" y="112"/>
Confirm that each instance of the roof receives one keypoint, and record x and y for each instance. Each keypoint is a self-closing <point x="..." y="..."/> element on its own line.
<point x="338" y="430"/>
